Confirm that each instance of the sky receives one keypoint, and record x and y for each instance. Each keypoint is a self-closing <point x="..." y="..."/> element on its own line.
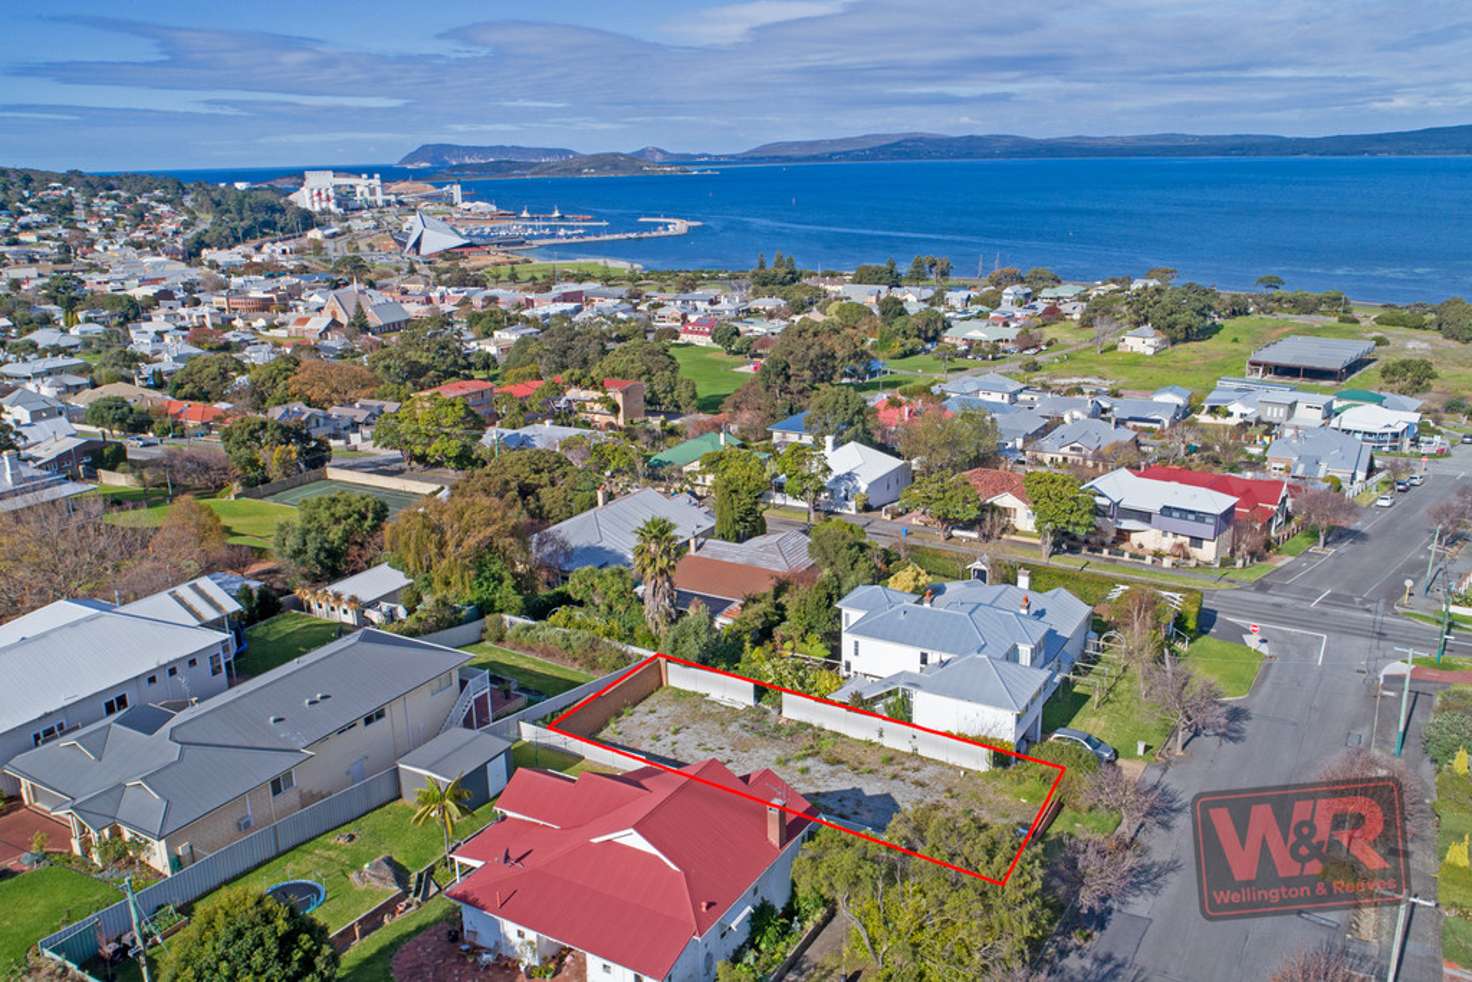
<point x="98" y="85"/>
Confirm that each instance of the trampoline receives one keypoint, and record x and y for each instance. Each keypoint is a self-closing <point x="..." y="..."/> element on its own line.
<point x="305" y="895"/>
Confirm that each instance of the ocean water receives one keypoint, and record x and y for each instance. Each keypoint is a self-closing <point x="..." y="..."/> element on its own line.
<point x="1379" y="228"/>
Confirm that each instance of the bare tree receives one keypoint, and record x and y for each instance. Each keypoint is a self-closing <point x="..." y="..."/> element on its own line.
<point x="1192" y="703"/>
<point x="1111" y="789"/>
<point x="1249" y="539"/>
<point x="1322" y="509"/>
<point x="1099" y="871"/>
<point x="1453" y="515"/>
<point x="1358" y="763"/>
<point x="1140" y="615"/>
<point x="1323" y="964"/>
<point x="54" y="551"/>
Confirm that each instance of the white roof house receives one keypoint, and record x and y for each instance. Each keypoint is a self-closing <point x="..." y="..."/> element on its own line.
<point x="1379" y="427"/>
<point x="857" y="469"/>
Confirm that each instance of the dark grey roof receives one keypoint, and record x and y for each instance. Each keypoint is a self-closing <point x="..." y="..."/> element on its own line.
<point x="156" y="777"/>
<point x="1325" y="354"/>
<point x="454" y="753"/>
<point x="1091" y="434"/>
<point x="781" y="552"/>
<point x="606" y="536"/>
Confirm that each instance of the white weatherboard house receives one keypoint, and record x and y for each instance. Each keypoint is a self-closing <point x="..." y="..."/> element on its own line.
<point x="859" y="470"/>
<point x="973" y="658"/>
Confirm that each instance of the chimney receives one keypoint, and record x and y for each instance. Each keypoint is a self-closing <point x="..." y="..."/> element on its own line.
<point x="777" y="823"/>
<point x="828" y="443"/>
<point x="602" y="496"/>
<point x="10" y="458"/>
<point x="1024" y="578"/>
<point x="1025" y="606"/>
<point x="723" y="436"/>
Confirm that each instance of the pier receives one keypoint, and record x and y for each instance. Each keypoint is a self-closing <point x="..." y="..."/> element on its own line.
<point x="671" y="226"/>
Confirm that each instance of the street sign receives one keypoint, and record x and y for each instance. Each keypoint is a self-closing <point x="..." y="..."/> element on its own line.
<point x="1254" y="629"/>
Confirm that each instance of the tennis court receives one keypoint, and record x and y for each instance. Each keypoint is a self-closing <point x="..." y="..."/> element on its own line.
<point x="397" y="501"/>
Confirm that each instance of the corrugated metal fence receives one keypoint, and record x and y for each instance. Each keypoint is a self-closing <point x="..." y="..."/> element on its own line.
<point x="77" y="943"/>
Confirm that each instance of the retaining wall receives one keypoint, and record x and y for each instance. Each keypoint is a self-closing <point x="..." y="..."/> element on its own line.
<point x="894" y="735"/>
<point x="713" y="685"/>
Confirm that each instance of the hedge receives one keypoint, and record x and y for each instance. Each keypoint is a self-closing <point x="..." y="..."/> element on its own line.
<point x="568" y="647"/>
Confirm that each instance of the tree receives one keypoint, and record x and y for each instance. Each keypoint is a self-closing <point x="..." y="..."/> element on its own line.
<point x="1453" y="515"/>
<point x="1003" y="277"/>
<point x="740" y="483"/>
<point x="1181" y="313"/>
<point x="805" y="474"/>
<point x="441" y="805"/>
<point x="1270" y="282"/>
<point x="473" y="547"/>
<point x="843" y="551"/>
<point x="870" y="274"/>
<point x="725" y="336"/>
<point x="191" y="539"/>
<point x="695" y="637"/>
<point x="948" y="498"/>
<point x="1453" y="318"/>
<point x="1140" y="615"/>
<point x="1059" y="505"/>
<point x="1325" y="963"/>
<point x="206" y="378"/>
<point x="431" y="430"/>
<point x="262" y="449"/>
<point x="651" y="363"/>
<point x="1162" y="273"/>
<point x="1040" y="278"/>
<point x="1192" y="703"/>
<point x="941" y="443"/>
<point x="241" y="933"/>
<point x="840" y="412"/>
<point x="114" y="414"/>
<point x="325" y="384"/>
<point x="332" y="534"/>
<point x="656" y="553"/>
<point x="59" y="550"/>
<point x="426" y="353"/>
<point x="1408" y="375"/>
<point x="65" y="291"/>
<point x="1323" y="510"/>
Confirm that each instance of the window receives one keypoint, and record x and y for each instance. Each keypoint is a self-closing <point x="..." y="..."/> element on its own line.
<point x="116" y="704"/>
<point x="856" y="648"/>
<point x="153" y="680"/>
<point x="442" y="683"/>
<point x="848" y="667"/>
<point x="194" y="663"/>
<point x="217" y="664"/>
<point x="173" y="670"/>
<point x="1196" y="542"/>
<point x="924" y="658"/>
<point x="607" y="968"/>
<point x="373" y="717"/>
<point x="521" y="934"/>
<point x="284" y="783"/>
<point x="47" y="734"/>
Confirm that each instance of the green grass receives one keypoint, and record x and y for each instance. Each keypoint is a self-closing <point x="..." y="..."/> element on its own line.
<point x="384" y="831"/>
<point x="116" y="493"/>
<point x="712" y="371"/>
<point x="1121" y="721"/>
<point x="927" y="364"/>
<point x="1298" y="545"/>
<point x="1456" y="940"/>
<point x="589" y="267"/>
<point x="1231" y="666"/>
<point x="42" y="901"/>
<point x="371" y="960"/>
<point x="286" y="636"/>
<point x="528" y="671"/>
<point x="247" y="522"/>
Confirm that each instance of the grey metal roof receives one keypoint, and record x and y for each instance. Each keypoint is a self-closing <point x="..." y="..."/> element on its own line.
<point x="372" y="584"/>
<point x="1163" y="411"/>
<point x="1092" y="434"/>
<point x="875" y="597"/>
<point x="455" y="752"/>
<point x="1321" y="451"/>
<point x="781" y="552"/>
<point x="158" y="777"/>
<point x="989" y="382"/>
<point x="606" y="536"/>
<point x="1302" y="351"/>
<point x="1130" y="490"/>
<point x="71" y="650"/>
<point x="986" y="681"/>
<point x="196" y="602"/>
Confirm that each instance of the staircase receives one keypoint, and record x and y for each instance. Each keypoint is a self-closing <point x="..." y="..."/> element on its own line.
<point x="478" y="683"/>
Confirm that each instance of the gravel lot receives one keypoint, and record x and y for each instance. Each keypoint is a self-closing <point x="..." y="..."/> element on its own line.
<point x="849" y="779"/>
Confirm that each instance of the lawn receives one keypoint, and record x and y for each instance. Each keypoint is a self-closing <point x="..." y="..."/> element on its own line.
<point x="1454" y="821"/>
<point x="117" y="493"/>
<point x="383" y="831"/>
<point x="528" y="671"/>
<point x="42" y="901"/>
<point x="286" y="636"/>
<point x="712" y="371"/>
<point x="247" y="522"/>
<point x="1231" y="666"/>
<point x="371" y="960"/>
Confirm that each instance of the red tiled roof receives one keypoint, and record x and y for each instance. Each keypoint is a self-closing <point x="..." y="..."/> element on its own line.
<point x="460" y="387"/>
<point x="619" y="900"/>
<point x="618" y="384"/>
<point x="732" y="581"/>
<point x="990" y="482"/>
<point x="521" y="390"/>
<point x="1255" y="496"/>
<point x="192" y="412"/>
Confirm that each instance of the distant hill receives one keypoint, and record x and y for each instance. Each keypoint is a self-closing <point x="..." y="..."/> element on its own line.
<point x="844" y="144"/>
<point x="448" y="154"/>
<point x="658" y="155"/>
<point x="581" y="165"/>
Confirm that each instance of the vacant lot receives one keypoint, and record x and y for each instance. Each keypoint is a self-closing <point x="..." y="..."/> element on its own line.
<point x="713" y="372"/>
<point x="850" y="779"/>
<point x="247" y="522"/>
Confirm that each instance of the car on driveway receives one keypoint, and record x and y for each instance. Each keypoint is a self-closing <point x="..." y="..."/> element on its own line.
<point x="1467" y="437"/>
<point x="1384" y="501"/>
<point x="1093" y="744"/>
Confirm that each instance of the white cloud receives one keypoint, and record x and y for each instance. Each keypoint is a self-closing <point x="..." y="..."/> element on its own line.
<point x="734" y="22"/>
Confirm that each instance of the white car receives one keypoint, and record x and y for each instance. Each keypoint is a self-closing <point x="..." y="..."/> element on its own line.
<point x="1384" y="501"/>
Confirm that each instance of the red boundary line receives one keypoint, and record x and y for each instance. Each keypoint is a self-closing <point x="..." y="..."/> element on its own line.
<point x="1016" y="858"/>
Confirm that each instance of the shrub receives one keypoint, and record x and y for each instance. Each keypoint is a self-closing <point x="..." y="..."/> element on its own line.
<point x="569" y="647"/>
<point x="436" y="615"/>
<point x="1079" y="762"/>
<point x="1347" y="319"/>
<point x="494" y="631"/>
<point x="1445" y="734"/>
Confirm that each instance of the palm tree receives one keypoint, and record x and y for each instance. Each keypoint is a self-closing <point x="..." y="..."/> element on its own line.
<point x="656" y="553"/>
<point x="442" y="806"/>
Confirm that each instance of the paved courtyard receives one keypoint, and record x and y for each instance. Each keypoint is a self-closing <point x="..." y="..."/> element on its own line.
<point x="850" y="779"/>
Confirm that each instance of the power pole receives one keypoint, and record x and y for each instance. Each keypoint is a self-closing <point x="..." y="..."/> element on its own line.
<point x="1431" y="559"/>
<point x="138" y="938"/>
<point x="1405" y="702"/>
<point x="1401" y="920"/>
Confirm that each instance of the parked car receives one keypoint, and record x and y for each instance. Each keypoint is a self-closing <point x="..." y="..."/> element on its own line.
<point x="1093" y="744"/>
<point x="1467" y="437"/>
<point x="1416" y="480"/>
<point x="1402" y="486"/>
<point x="1384" y="501"/>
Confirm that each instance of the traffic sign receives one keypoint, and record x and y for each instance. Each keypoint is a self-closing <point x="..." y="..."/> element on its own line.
<point x="1254" y="629"/>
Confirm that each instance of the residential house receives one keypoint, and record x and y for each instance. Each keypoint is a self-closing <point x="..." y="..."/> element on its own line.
<point x="684" y="457"/>
<point x="476" y="393"/>
<point x="182" y="785"/>
<point x="1083" y="442"/>
<point x="1291" y="409"/>
<point x="793" y="429"/>
<point x="369" y="597"/>
<point x="969" y="334"/>
<point x="1144" y="414"/>
<point x="1385" y="400"/>
<point x="74" y="662"/>
<point x="545" y="435"/>
<point x="1264" y="501"/>
<point x="1379" y="428"/>
<point x="606" y="535"/>
<point x="861" y="477"/>
<point x="1166" y="517"/>
<point x="990" y="387"/>
<point x="649" y="874"/>
<point x="698" y="330"/>
<point x="1005" y="491"/>
<point x="1016" y="295"/>
<point x="720" y="575"/>
<point x="34" y="369"/>
<point x="975" y="658"/>
<point x="618" y="402"/>
<point x="1319" y="454"/>
<point x="24" y="485"/>
<point x="1143" y="340"/>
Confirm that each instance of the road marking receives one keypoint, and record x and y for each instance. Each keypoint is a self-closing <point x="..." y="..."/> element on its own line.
<point x="1323" y="638"/>
<point x="1396" y="568"/>
<point x="1308" y="569"/>
<point x="1321" y="597"/>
